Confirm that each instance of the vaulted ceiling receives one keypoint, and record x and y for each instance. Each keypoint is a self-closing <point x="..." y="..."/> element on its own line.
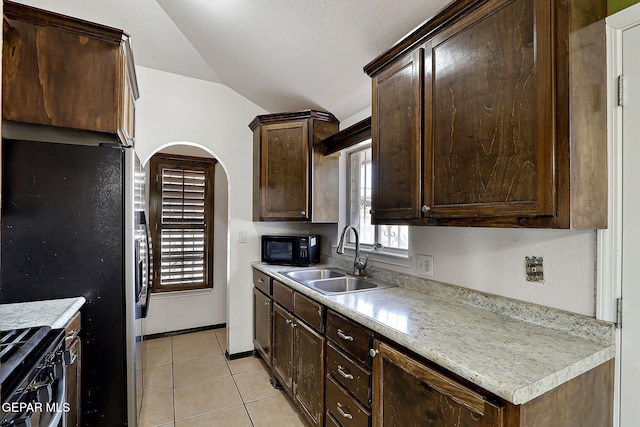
<point x="283" y="55"/>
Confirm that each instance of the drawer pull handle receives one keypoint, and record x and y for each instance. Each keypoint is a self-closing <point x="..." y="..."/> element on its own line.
<point x="344" y="414"/>
<point x="260" y="281"/>
<point x="267" y="303"/>
<point x="344" y="374"/>
<point x="344" y="336"/>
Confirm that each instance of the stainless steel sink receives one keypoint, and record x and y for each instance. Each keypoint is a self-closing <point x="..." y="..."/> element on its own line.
<point x="331" y="281"/>
<point x="314" y="274"/>
<point x="343" y="284"/>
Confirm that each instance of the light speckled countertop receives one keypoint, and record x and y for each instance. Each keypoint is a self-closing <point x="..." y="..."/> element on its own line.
<point x="515" y="359"/>
<point x="54" y="313"/>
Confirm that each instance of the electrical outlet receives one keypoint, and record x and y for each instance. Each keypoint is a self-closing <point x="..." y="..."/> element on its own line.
<point x="424" y="265"/>
<point x="534" y="269"/>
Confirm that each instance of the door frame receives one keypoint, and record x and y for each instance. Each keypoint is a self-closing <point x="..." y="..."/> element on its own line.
<point x="609" y="246"/>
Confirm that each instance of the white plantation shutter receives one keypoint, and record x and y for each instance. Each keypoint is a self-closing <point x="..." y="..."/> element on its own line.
<point x="182" y="221"/>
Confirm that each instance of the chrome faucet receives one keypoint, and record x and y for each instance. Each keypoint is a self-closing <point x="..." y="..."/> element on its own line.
<point x="358" y="264"/>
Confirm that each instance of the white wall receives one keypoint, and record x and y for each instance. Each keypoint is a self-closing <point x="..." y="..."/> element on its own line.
<point x="174" y="108"/>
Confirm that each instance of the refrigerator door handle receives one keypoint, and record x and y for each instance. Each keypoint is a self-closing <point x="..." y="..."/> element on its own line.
<point x="149" y="264"/>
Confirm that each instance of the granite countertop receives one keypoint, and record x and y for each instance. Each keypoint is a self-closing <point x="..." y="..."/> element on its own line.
<point x="512" y="358"/>
<point x="54" y="313"/>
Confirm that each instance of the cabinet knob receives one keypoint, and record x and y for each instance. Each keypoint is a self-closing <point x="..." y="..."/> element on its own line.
<point x="303" y="213"/>
<point x="287" y="321"/>
<point x="425" y="209"/>
<point x="373" y="352"/>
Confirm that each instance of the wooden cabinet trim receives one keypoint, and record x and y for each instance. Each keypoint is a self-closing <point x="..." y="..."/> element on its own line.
<point x="76" y="26"/>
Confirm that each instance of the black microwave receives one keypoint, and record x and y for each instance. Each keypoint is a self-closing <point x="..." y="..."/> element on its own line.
<point x="299" y="250"/>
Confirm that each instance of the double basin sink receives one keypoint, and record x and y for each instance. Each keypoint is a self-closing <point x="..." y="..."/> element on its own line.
<point x="330" y="281"/>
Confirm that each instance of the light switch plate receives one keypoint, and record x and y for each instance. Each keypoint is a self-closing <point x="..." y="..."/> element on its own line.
<point x="242" y="236"/>
<point x="424" y="265"/>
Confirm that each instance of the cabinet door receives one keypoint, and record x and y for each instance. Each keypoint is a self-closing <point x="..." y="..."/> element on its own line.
<point x="408" y="393"/>
<point x="58" y="71"/>
<point x="493" y="133"/>
<point x="308" y="386"/>
<point x="397" y="140"/>
<point x="73" y="385"/>
<point x="262" y="306"/>
<point x="284" y="171"/>
<point x="283" y="347"/>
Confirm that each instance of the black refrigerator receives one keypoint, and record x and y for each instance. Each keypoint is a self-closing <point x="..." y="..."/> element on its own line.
<point x="74" y="224"/>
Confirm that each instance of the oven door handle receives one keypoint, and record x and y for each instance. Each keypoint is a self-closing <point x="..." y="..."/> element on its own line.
<point x="60" y="402"/>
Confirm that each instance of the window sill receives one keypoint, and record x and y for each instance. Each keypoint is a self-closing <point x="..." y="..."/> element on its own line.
<point x="181" y="294"/>
<point x="379" y="256"/>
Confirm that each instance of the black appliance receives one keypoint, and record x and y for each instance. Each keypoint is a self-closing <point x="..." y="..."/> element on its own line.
<point x="299" y="250"/>
<point x="73" y="224"/>
<point x="33" y="377"/>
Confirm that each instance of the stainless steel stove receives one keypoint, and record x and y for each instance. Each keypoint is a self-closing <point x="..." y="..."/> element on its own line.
<point x="32" y="373"/>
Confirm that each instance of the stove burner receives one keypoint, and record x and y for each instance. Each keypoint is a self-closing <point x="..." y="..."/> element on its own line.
<point x="17" y="346"/>
<point x="32" y="377"/>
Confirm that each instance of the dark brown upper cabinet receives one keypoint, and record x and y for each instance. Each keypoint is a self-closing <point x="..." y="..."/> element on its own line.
<point x="292" y="179"/>
<point x="66" y="72"/>
<point x="493" y="113"/>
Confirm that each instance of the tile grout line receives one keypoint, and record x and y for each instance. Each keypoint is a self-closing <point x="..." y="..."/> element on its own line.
<point x="231" y="373"/>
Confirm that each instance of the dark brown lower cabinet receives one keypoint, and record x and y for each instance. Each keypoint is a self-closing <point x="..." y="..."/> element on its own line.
<point x="308" y="372"/>
<point x="298" y="363"/>
<point x="410" y="394"/>
<point x="72" y="382"/>
<point x="283" y="347"/>
<point x="262" y="306"/>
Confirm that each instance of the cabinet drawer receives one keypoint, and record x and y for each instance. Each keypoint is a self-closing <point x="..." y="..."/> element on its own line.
<point x="262" y="282"/>
<point x="309" y="311"/>
<point x="349" y="374"/>
<point x="331" y="421"/>
<point x="349" y="336"/>
<point x="343" y="407"/>
<point x="283" y="295"/>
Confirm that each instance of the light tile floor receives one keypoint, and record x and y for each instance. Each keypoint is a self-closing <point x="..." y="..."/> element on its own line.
<point x="188" y="382"/>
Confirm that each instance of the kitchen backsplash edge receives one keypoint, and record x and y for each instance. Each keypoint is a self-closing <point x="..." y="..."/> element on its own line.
<point x="579" y="325"/>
